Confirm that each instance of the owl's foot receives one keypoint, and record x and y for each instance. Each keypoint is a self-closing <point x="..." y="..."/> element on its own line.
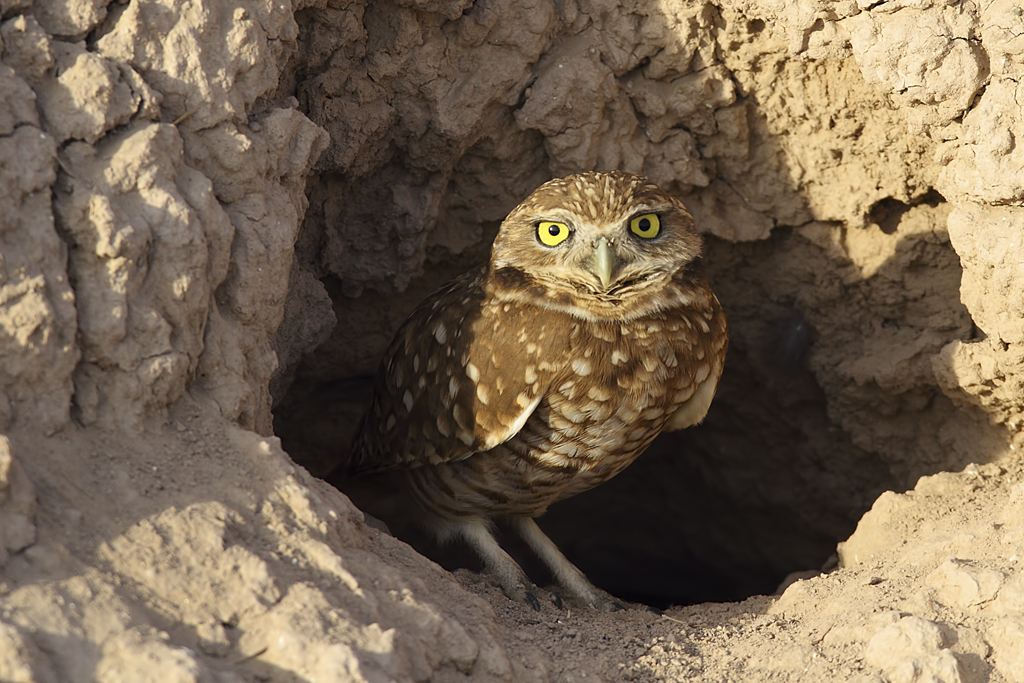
<point x="594" y="598"/>
<point x="575" y="587"/>
<point x="603" y="601"/>
<point x="518" y="589"/>
<point x="500" y="568"/>
<point x="498" y="564"/>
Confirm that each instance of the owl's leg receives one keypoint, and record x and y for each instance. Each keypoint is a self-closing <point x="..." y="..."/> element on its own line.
<point x="568" y="575"/>
<point x="498" y="563"/>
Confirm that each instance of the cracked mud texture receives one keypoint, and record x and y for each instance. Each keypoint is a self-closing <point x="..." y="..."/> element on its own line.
<point x="213" y="216"/>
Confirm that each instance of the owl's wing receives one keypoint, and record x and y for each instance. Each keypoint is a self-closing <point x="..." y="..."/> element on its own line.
<point x="462" y="375"/>
<point x="705" y="368"/>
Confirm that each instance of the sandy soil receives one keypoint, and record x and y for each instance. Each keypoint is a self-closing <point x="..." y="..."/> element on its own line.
<point x="207" y="552"/>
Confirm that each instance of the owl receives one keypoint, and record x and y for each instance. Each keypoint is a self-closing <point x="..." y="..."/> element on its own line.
<point x="548" y="370"/>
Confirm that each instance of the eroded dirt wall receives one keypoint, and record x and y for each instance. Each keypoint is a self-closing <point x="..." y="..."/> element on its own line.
<point x="160" y="182"/>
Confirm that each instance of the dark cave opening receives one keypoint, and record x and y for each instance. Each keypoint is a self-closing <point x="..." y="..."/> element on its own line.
<point x="766" y="486"/>
<point x="703" y="515"/>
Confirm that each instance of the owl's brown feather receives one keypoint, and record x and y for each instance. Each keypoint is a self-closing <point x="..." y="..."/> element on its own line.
<point x="461" y="376"/>
<point x="530" y="379"/>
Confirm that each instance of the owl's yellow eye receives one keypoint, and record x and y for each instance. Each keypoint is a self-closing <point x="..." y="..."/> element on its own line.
<point x="647" y="226"/>
<point x="552" y="234"/>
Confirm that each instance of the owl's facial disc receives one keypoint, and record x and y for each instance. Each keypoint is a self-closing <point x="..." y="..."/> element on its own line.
<point x="609" y="239"/>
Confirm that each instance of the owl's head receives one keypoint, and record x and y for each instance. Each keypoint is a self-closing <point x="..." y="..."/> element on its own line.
<point x="597" y="238"/>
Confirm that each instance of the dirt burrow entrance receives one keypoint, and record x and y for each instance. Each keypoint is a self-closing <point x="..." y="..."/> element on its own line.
<point x="838" y="299"/>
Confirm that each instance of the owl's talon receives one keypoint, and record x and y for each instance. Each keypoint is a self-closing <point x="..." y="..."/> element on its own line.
<point x="534" y="602"/>
<point x="556" y="601"/>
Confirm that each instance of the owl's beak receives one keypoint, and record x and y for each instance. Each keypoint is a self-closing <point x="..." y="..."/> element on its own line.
<point x="602" y="263"/>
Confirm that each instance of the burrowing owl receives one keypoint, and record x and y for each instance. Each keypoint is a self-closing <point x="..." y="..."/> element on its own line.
<point x="550" y="369"/>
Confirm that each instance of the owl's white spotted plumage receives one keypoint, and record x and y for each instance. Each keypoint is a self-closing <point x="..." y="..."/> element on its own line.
<point x="548" y="370"/>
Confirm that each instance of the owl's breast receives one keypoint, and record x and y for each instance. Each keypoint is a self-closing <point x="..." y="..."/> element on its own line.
<point x="566" y="403"/>
<point x="613" y="397"/>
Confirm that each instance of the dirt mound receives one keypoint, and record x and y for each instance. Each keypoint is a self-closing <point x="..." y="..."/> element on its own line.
<point x="213" y="217"/>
